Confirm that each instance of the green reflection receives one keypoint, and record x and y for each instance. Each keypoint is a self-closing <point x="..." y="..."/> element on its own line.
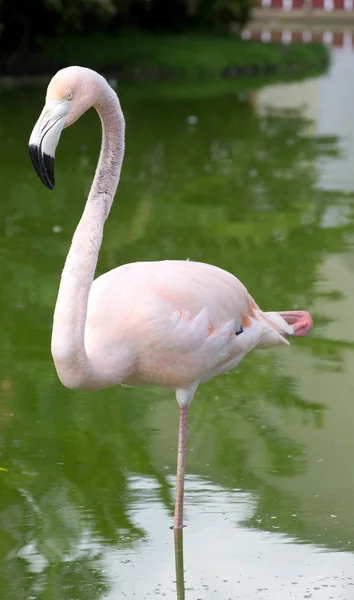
<point x="236" y="189"/>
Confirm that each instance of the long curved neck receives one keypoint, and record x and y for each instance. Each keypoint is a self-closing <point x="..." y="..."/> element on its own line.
<point x="68" y="337"/>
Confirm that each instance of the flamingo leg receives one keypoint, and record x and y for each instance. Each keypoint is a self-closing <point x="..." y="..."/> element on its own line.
<point x="181" y="461"/>
<point x="300" y="319"/>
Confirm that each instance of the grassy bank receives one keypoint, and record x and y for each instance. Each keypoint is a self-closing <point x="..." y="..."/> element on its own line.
<point x="173" y="57"/>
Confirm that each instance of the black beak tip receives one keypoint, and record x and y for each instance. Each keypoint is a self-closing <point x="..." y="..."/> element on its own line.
<point x="43" y="165"/>
<point x="50" y="185"/>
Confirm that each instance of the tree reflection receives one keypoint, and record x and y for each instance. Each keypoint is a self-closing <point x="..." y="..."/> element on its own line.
<point x="234" y="189"/>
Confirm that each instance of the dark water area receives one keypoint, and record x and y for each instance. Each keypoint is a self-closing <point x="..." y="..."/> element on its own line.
<point x="261" y="184"/>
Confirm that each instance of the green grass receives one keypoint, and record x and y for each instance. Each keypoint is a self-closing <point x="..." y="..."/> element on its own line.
<point x="187" y="57"/>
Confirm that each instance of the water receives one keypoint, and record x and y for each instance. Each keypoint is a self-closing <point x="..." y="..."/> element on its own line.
<point x="329" y="33"/>
<point x="261" y="184"/>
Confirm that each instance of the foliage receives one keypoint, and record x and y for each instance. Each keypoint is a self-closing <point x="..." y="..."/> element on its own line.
<point x="65" y="16"/>
<point x="72" y="12"/>
<point x="172" y="57"/>
<point x="132" y="34"/>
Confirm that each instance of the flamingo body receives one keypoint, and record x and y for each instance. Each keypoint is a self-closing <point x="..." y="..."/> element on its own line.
<point x="173" y="323"/>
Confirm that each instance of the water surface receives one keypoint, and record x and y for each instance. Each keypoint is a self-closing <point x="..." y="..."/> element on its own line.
<point x="261" y="184"/>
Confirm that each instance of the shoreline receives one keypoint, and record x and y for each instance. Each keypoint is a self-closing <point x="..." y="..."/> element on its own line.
<point x="167" y="58"/>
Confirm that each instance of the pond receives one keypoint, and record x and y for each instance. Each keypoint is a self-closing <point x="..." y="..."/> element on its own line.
<point x="260" y="183"/>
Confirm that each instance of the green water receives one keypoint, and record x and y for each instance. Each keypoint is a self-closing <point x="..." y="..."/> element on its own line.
<point x="260" y="185"/>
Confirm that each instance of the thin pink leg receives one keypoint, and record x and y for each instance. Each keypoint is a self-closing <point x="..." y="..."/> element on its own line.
<point x="300" y="319"/>
<point x="181" y="461"/>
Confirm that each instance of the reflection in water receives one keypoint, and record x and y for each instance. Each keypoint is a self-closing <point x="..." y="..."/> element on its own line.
<point x="309" y="32"/>
<point x="178" y="539"/>
<point x="87" y="499"/>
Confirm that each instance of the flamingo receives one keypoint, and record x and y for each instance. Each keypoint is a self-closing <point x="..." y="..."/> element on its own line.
<point x="170" y="323"/>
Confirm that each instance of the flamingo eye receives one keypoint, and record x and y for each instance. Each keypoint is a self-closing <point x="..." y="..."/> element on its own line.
<point x="69" y="96"/>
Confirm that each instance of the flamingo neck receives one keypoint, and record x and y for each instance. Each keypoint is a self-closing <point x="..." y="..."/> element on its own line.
<point x="68" y="337"/>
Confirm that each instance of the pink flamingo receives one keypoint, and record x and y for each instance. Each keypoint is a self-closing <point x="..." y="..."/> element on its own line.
<point x="174" y="324"/>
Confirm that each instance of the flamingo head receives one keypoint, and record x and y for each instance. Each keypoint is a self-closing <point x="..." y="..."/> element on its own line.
<point x="71" y="92"/>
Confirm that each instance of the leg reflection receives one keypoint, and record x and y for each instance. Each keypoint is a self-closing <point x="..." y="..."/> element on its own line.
<point x="178" y="534"/>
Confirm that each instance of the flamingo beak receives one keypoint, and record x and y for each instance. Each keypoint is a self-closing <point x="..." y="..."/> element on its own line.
<point x="45" y="138"/>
